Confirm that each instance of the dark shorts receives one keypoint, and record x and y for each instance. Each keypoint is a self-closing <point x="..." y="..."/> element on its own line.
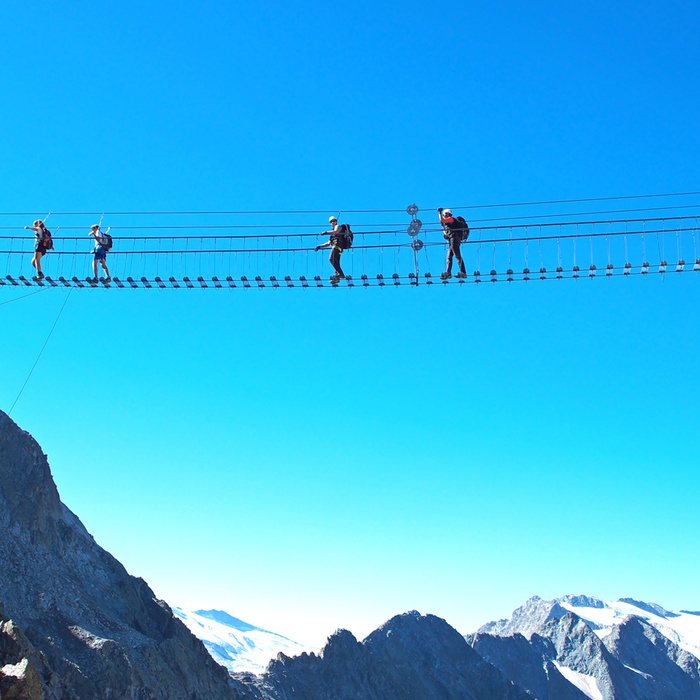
<point x="40" y="248"/>
<point x="100" y="253"/>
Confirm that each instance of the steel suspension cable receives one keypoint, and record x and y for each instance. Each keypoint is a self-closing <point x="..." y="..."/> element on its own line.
<point x="41" y="352"/>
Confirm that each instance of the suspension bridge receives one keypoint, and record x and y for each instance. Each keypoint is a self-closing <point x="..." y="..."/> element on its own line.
<point x="274" y="249"/>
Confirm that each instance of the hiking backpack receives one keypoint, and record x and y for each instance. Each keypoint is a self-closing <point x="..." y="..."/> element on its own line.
<point x="106" y="242"/>
<point x="345" y="236"/>
<point x="463" y="227"/>
<point x="47" y="240"/>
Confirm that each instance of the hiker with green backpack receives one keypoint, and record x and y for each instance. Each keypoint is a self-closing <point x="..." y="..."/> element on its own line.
<point x="455" y="231"/>
<point x="103" y="244"/>
<point x="340" y="239"/>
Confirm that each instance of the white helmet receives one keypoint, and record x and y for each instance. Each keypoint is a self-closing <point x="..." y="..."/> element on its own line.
<point x="447" y="212"/>
<point x="331" y="219"/>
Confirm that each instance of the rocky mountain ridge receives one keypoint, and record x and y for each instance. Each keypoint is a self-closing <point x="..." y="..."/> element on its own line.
<point x="74" y="625"/>
<point x="628" y="658"/>
<point x="410" y="657"/>
<point x="683" y="627"/>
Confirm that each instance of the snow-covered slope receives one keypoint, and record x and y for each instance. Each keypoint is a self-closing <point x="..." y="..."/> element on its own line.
<point x="586" y="684"/>
<point x="682" y="628"/>
<point x="235" y="644"/>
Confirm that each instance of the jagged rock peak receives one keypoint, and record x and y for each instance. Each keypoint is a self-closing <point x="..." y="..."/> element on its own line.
<point x="572" y="636"/>
<point x="340" y="644"/>
<point x="527" y="619"/>
<point x="99" y="631"/>
<point x="412" y="630"/>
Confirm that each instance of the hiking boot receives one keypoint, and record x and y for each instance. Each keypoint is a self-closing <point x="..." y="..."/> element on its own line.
<point x="40" y="275"/>
<point x="446" y="275"/>
<point x="461" y="275"/>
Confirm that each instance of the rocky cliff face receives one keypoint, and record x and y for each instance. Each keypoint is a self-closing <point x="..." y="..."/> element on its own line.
<point x="75" y="624"/>
<point x="669" y="671"/>
<point x="23" y="672"/>
<point x="528" y="663"/>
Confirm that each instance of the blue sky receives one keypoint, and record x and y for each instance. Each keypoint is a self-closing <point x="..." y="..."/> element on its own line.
<point x="317" y="459"/>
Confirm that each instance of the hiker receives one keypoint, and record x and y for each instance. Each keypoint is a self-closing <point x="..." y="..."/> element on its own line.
<point x="101" y="248"/>
<point x="42" y="244"/>
<point x="340" y="240"/>
<point x="455" y="231"/>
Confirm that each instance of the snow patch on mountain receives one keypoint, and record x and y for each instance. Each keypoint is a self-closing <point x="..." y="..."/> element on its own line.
<point x="586" y="684"/>
<point x="237" y="645"/>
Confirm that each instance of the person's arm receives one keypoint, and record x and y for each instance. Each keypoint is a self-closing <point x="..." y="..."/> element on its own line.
<point x="327" y="243"/>
<point x="444" y="224"/>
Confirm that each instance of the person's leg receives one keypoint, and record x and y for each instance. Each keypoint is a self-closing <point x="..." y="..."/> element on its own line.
<point x="104" y="267"/>
<point x="456" y="244"/>
<point x="448" y="261"/>
<point x="94" y="268"/>
<point x="338" y="268"/>
<point x="36" y="262"/>
<point x="335" y="261"/>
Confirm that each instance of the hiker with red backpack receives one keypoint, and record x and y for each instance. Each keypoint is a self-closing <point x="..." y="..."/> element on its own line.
<point x="455" y="230"/>
<point x="340" y="240"/>
<point x="103" y="243"/>
<point x="42" y="244"/>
